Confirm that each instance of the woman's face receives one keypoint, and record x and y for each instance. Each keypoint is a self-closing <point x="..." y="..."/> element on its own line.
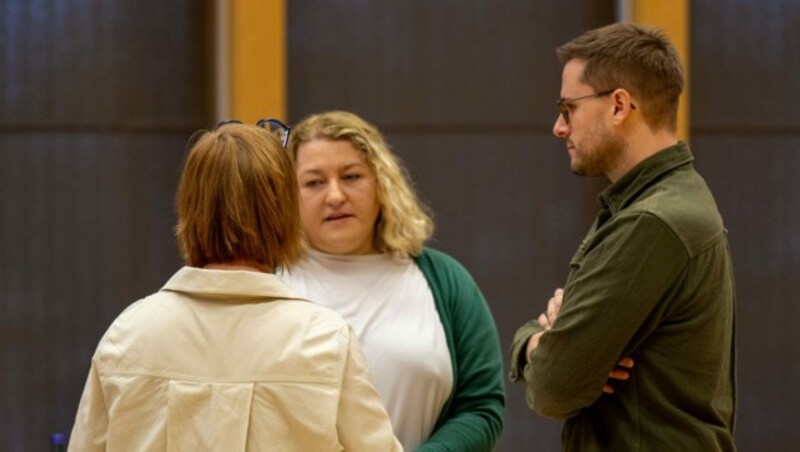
<point x="338" y="198"/>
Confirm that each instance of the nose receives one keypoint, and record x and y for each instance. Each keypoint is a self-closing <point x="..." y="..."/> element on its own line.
<point x="561" y="128"/>
<point x="334" y="195"/>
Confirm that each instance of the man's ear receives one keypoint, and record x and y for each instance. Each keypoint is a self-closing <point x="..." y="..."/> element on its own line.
<point x="623" y="105"/>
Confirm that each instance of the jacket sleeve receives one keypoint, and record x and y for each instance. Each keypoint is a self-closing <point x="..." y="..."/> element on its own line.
<point x="616" y="292"/>
<point x="362" y="421"/>
<point x="472" y="420"/>
<point x="519" y="346"/>
<point x="91" y="422"/>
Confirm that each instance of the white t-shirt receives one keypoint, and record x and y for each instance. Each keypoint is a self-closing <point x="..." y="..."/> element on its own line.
<point x="388" y="303"/>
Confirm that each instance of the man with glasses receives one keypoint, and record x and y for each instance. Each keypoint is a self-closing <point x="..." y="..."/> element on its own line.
<point x="651" y="283"/>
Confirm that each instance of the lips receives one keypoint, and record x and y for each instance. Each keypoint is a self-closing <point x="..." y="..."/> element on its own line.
<point x="338" y="216"/>
<point x="571" y="148"/>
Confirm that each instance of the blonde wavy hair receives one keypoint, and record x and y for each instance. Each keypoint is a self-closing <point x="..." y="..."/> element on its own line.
<point x="404" y="223"/>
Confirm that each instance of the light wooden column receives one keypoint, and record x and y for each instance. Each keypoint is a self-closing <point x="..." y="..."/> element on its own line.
<point x="251" y="59"/>
<point x="672" y="16"/>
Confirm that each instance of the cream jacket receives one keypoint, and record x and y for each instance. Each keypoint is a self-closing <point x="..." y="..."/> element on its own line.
<point x="223" y="360"/>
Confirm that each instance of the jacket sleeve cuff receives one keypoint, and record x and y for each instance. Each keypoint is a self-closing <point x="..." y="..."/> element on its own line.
<point x="519" y="346"/>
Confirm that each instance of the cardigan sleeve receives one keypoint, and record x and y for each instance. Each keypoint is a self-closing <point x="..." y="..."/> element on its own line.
<point x="472" y="419"/>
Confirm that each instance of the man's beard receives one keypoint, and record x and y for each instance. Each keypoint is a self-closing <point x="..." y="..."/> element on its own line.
<point x="600" y="155"/>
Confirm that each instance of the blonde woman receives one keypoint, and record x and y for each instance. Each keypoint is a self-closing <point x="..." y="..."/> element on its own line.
<point x="426" y="330"/>
<point x="225" y="357"/>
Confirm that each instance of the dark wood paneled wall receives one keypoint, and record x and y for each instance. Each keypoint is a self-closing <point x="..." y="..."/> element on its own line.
<point x="746" y="137"/>
<point x="97" y="99"/>
<point x="464" y="92"/>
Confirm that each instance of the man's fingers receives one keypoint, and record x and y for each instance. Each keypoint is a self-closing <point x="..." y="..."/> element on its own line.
<point x="558" y="296"/>
<point x="533" y="342"/>
<point x="626" y="362"/>
<point x="554" y="305"/>
<point x="619" y="374"/>
<point x="544" y="321"/>
<point x="552" y="309"/>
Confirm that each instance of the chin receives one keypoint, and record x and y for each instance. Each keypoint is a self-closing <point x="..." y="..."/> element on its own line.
<point x="336" y="248"/>
<point x="577" y="169"/>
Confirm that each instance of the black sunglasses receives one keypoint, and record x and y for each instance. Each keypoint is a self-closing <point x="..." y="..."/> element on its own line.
<point x="274" y="126"/>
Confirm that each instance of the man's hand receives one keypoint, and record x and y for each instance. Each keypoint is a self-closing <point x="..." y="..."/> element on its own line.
<point x="621" y="373"/>
<point x="547" y="318"/>
<point x="533" y="342"/>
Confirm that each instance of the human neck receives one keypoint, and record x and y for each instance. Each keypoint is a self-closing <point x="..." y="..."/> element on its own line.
<point x="641" y="144"/>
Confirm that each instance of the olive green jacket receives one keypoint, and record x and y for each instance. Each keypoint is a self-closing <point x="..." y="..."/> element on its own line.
<point x="652" y="280"/>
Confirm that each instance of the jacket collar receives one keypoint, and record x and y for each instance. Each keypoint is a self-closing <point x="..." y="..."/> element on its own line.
<point x="228" y="284"/>
<point x="620" y="194"/>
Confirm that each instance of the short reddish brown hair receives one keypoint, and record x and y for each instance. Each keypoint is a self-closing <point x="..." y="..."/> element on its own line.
<point x="238" y="200"/>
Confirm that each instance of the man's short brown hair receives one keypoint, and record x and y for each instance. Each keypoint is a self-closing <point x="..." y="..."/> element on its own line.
<point x="237" y="200"/>
<point x="637" y="58"/>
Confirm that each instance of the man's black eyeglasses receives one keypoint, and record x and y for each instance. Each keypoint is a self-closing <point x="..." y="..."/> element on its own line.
<point x="274" y="126"/>
<point x="565" y="104"/>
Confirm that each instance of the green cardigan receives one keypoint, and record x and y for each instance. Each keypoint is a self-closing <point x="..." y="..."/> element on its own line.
<point x="472" y="417"/>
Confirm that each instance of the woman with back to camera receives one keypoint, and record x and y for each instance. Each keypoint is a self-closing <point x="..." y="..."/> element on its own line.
<point x="225" y="357"/>
<point x="426" y="330"/>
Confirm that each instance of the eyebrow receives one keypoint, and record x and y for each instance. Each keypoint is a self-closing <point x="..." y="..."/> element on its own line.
<point x="345" y="168"/>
